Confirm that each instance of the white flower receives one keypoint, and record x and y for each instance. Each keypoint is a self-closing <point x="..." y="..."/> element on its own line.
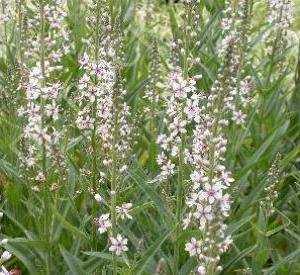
<point x="187" y="220"/>
<point x="167" y="169"/>
<point x="123" y="211"/>
<point x="4" y="241"/>
<point x="193" y="200"/>
<point x="84" y="60"/>
<point x="196" y="177"/>
<point x="212" y="192"/>
<point x="52" y="111"/>
<point x="227" y="178"/>
<point x="118" y="245"/>
<point x="193" y="247"/>
<point x="123" y="168"/>
<point x="201" y="270"/>
<point x="239" y="117"/>
<point x="6" y="255"/>
<point x="98" y="198"/>
<point x="32" y="93"/>
<point x="103" y="223"/>
<point x="4" y="271"/>
<point x="225" y="203"/>
<point x="204" y="214"/>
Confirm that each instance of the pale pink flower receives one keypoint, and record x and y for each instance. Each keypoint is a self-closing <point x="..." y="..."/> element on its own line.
<point x="118" y="245"/>
<point x="6" y="255"/>
<point x="212" y="192"/>
<point x="204" y="214"/>
<point x="193" y="247"/>
<point x="103" y="223"/>
<point x="4" y="271"/>
<point x="201" y="270"/>
<point x="187" y="221"/>
<point x="123" y="211"/>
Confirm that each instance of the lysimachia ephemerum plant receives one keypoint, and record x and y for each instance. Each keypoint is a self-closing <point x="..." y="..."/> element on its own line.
<point x="104" y="119"/>
<point x="182" y="111"/>
<point x="47" y="43"/>
<point x="279" y="18"/>
<point x="11" y="32"/>
<point x="209" y="198"/>
<point x="42" y="153"/>
<point x="272" y="186"/>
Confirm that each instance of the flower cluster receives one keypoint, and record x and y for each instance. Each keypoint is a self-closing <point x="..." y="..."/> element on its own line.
<point x="36" y="131"/>
<point x="104" y="116"/>
<point x="280" y="18"/>
<point x="103" y="110"/>
<point x="280" y="14"/>
<point x="42" y="133"/>
<point x="154" y="73"/>
<point x="235" y="27"/>
<point x="104" y="224"/>
<point x="182" y="109"/>
<point x="271" y="188"/>
<point x="209" y="200"/>
<point x="190" y="31"/>
<point x="56" y="38"/>
<point x="7" y="11"/>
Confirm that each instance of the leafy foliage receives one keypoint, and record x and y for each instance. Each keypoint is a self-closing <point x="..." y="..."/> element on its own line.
<point x="68" y="240"/>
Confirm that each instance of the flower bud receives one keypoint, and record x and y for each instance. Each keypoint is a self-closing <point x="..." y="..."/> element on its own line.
<point x="5" y="256"/>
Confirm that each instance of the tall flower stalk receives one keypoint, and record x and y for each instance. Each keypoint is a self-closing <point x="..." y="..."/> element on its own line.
<point x="209" y="201"/>
<point x="271" y="189"/>
<point x="43" y="157"/>
<point x="152" y="99"/>
<point x="181" y="114"/>
<point x="107" y="121"/>
<point x="44" y="164"/>
<point x="280" y="17"/>
<point x="182" y="110"/>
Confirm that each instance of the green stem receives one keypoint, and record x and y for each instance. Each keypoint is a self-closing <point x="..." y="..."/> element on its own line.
<point x="179" y="200"/>
<point x="180" y="183"/>
<point x="114" y="189"/>
<point x="94" y="131"/>
<point x="44" y="157"/>
<point x="274" y="50"/>
<point x="5" y="29"/>
<point x="20" y="19"/>
<point x="94" y="111"/>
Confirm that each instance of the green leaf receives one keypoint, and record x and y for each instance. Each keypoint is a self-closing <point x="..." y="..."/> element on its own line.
<point x="68" y="226"/>
<point x="287" y="259"/>
<point x="151" y="252"/>
<point x="236" y="226"/>
<point x="231" y="262"/>
<point x="104" y="256"/>
<point x="24" y="254"/>
<point x="75" y="264"/>
<point x="147" y="188"/>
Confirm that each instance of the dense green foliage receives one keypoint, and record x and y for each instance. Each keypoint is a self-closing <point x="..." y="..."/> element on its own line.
<point x="53" y="231"/>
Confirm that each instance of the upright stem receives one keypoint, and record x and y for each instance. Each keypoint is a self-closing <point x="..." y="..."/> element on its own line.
<point x="274" y="49"/>
<point x="179" y="199"/>
<point x="154" y="79"/>
<point x="114" y="188"/>
<point x="5" y="28"/>
<point x="44" y="164"/>
<point x="94" y="111"/>
<point x="20" y="19"/>
<point x="180" y="183"/>
<point x="42" y="40"/>
<point x="114" y="170"/>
